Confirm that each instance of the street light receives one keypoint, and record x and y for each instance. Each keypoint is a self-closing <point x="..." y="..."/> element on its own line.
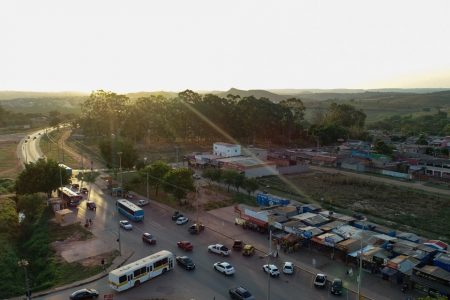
<point x="23" y="263"/>
<point x="146" y="171"/>
<point x="120" y="168"/>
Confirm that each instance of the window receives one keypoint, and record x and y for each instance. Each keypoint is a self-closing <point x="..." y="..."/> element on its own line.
<point x="137" y="272"/>
<point x="160" y="262"/>
<point x="122" y="278"/>
<point x="143" y="270"/>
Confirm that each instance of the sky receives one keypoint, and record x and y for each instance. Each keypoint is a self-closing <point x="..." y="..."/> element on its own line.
<point x="126" y="46"/>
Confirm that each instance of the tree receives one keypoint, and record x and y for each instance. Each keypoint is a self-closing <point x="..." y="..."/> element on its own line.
<point x="156" y="173"/>
<point x="229" y="178"/>
<point x="109" y="149"/>
<point x="433" y="298"/>
<point x="422" y="140"/>
<point x="250" y="185"/>
<point x="238" y="181"/>
<point x="345" y="115"/>
<point x="212" y="174"/>
<point x="382" y="148"/>
<point x="32" y="205"/>
<point x="179" y="182"/>
<point x="42" y="176"/>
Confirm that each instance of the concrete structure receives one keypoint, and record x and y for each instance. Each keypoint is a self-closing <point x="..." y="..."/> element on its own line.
<point x="226" y="149"/>
<point x="251" y="167"/>
<point x="255" y="152"/>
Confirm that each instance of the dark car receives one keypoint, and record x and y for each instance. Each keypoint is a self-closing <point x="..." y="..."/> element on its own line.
<point x="91" y="205"/>
<point x="148" y="238"/>
<point x="194" y="228"/>
<point x="185" y="262"/>
<point x="240" y="293"/>
<point x="336" y="287"/>
<point x="238" y="245"/>
<point x="185" y="245"/>
<point x="176" y="215"/>
<point x="84" y="294"/>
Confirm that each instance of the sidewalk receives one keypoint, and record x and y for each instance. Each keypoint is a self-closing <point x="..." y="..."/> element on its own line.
<point x="118" y="261"/>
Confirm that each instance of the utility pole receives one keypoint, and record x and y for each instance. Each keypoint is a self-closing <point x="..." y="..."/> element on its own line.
<point x="120" y="168"/>
<point x="360" y="263"/>
<point x="146" y="171"/>
<point x="23" y="263"/>
<point x="268" y="261"/>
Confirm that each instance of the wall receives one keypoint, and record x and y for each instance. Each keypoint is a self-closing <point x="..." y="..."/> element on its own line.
<point x="260" y="171"/>
<point x="293" y="169"/>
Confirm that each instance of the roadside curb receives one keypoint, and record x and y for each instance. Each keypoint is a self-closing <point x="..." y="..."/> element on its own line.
<point x="81" y="282"/>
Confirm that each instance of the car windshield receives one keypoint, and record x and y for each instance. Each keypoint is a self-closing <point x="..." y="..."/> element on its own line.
<point x="223" y="248"/>
<point x="320" y="278"/>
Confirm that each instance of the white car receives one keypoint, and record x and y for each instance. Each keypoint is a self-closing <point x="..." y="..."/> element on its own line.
<point x="320" y="280"/>
<point x="142" y="202"/>
<point x="182" y="220"/>
<point x="272" y="270"/>
<point x="196" y="176"/>
<point x="288" y="268"/>
<point x="219" y="249"/>
<point x="126" y="225"/>
<point x="224" y="267"/>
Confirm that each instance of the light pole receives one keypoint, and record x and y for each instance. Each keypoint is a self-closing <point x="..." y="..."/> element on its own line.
<point x="120" y="168"/>
<point x="269" y="255"/>
<point x="146" y="172"/>
<point x="23" y="263"/>
<point x="360" y="262"/>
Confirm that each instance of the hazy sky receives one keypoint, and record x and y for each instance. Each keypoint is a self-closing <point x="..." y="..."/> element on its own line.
<point x="205" y="45"/>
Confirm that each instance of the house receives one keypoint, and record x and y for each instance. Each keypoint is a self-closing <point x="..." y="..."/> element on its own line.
<point x="431" y="279"/>
<point x="442" y="261"/>
<point x="226" y="149"/>
<point x="251" y="167"/>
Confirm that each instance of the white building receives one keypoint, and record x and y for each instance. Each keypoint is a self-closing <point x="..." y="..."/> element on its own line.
<point x="226" y="150"/>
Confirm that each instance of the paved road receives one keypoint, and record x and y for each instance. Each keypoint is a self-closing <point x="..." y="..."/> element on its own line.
<point x="28" y="149"/>
<point x="204" y="282"/>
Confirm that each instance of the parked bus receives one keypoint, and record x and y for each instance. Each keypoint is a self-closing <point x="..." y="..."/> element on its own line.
<point x="130" y="210"/>
<point x="141" y="270"/>
<point x="72" y="198"/>
<point x="68" y="169"/>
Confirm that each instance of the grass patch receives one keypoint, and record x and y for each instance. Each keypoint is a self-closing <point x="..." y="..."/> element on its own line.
<point x="402" y="208"/>
<point x="51" y="147"/>
<point x="60" y="233"/>
<point x="6" y="186"/>
<point x="9" y="164"/>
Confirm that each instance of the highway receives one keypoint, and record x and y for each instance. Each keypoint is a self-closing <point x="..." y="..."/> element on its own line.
<point x="28" y="149"/>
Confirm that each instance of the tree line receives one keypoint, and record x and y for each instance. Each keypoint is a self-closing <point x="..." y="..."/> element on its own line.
<point x="206" y="118"/>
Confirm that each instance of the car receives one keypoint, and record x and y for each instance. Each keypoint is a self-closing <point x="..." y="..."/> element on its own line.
<point x="182" y="220"/>
<point x="148" y="238"/>
<point x="84" y="190"/>
<point x="336" y="287"/>
<point x="84" y="294"/>
<point x="176" y="215"/>
<point x="219" y="249"/>
<point x="91" y="205"/>
<point x="224" y="268"/>
<point x="126" y="225"/>
<point x="195" y="229"/>
<point x="196" y="176"/>
<point x="320" y="280"/>
<point x="142" y="202"/>
<point x="185" y="245"/>
<point x="249" y="250"/>
<point x="240" y="293"/>
<point x="185" y="262"/>
<point x="272" y="270"/>
<point x="238" y="245"/>
<point x="288" y="268"/>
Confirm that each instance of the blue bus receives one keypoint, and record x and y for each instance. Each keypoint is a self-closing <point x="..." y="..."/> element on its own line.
<point x="130" y="210"/>
<point x="67" y="169"/>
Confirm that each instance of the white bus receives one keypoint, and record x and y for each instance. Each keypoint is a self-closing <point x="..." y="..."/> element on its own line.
<point x="141" y="270"/>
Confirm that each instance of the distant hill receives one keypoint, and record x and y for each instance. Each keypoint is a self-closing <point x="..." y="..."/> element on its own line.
<point x="256" y="93"/>
<point x="8" y="95"/>
<point x="148" y="94"/>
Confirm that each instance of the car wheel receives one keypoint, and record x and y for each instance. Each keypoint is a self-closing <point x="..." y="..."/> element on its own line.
<point x="209" y="250"/>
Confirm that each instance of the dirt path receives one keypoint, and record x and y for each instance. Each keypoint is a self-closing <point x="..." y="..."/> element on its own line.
<point x="413" y="185"/>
